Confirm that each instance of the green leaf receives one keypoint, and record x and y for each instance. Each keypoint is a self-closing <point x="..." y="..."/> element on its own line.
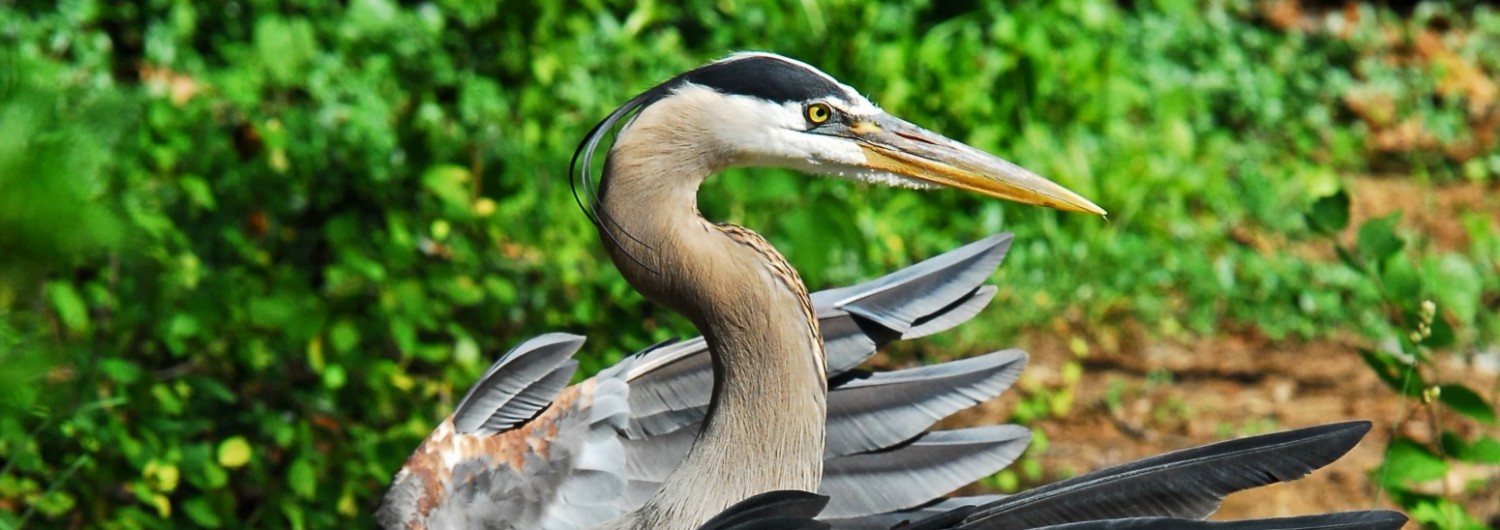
<point x="1458" y="286"/>
<point x="1330" y="214"/>
<point x="451" y="184"/>
<point x="334" y="377"/>
<point x="296" y="518"/>
<point x="1407" y="461"/>
<point x="215" y="388"/>
<point x="1467" y="402"/>
<point x="1403" y="282"/>
<point x="202" y="513"/>
<point x="302" y="479"/>
<point x="1442" y="334"/>
<point x="285" y="47"/>
<point x="1452" y="443"/>
<point x="273" y="311"/>
<point x="344" y="336"/>
<point x="1444" y="514"/>
<point x="1377" y="238"/>
<point x="1485" y="450"/>
<point x="198" y="190"/>
<point x="234" y="452"/>
<point x="121" y="370"/>
<point x="70" y="308"/>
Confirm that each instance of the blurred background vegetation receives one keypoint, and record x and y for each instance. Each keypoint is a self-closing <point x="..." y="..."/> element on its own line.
<point x="251" y="251"/>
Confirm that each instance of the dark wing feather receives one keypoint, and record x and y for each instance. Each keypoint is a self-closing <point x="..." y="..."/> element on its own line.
<point x="774" y="510"/>
<point x="1189" y="483"/>
<point x="1133" y="496"/>
<point x="1370" y="520"/>
<point x="941" y="513"/>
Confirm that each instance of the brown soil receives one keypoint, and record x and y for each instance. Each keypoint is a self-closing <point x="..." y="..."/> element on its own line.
<point x="1140" y="396"/>
<point x="1158" y="398"/>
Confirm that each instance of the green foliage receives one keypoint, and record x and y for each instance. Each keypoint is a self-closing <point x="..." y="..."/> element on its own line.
<point x="252" y="252"/>
<point x="1413" y="327"/>
<point x="1330" y="214"/>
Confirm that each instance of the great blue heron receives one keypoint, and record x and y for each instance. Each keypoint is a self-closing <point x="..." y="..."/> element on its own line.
<point x="749" y="416"/>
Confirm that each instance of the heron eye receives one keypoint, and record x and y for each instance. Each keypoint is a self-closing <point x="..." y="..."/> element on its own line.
<point x="817" y="113"/>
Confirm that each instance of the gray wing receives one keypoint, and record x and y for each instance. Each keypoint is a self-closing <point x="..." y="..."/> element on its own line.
<point x="907" y="476"/>
<point x="522" y="451"/>
<point x="1172" y="491"/>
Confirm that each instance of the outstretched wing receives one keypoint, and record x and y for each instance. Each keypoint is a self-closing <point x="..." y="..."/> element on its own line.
<point x="1173" y="491"/>
<point x="522" y="451"/>
<point x="1190" y="483"/>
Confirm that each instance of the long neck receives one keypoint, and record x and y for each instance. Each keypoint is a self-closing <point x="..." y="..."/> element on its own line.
<point x="765" y="426"/>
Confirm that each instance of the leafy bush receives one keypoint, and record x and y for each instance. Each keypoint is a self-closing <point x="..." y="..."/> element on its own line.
<point x="253" y="249"/>
<point x="1405" y="363"/>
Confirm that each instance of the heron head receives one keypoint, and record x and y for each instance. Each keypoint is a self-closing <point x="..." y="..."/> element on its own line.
<point x="761" y="109"/>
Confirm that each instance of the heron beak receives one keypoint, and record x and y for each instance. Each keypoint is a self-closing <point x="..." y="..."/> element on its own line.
<point x="893" y="145"/>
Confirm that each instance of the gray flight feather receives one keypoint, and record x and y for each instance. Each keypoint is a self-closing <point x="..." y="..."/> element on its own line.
<point x="876" y="413"/>
<point x="886" y="408"/>
<point x="1189" y="483"/>
<point x="523" y="382"/>
<point x="952" y="315"/>
<point x="900" y="299"/>
<point x="933" y="295"/>
<point x="673" y="392"/>
<point x="929" y="466"/>
<point x="585" y="492"/>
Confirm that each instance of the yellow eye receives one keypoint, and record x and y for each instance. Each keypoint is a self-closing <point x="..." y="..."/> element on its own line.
<point x="817" y="113"/>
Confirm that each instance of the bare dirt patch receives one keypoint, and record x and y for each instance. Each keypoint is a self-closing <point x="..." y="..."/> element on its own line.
<point x="1434" y="215"/>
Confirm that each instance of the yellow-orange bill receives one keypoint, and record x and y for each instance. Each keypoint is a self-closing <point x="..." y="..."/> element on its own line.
<point x="896" y="146"/>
